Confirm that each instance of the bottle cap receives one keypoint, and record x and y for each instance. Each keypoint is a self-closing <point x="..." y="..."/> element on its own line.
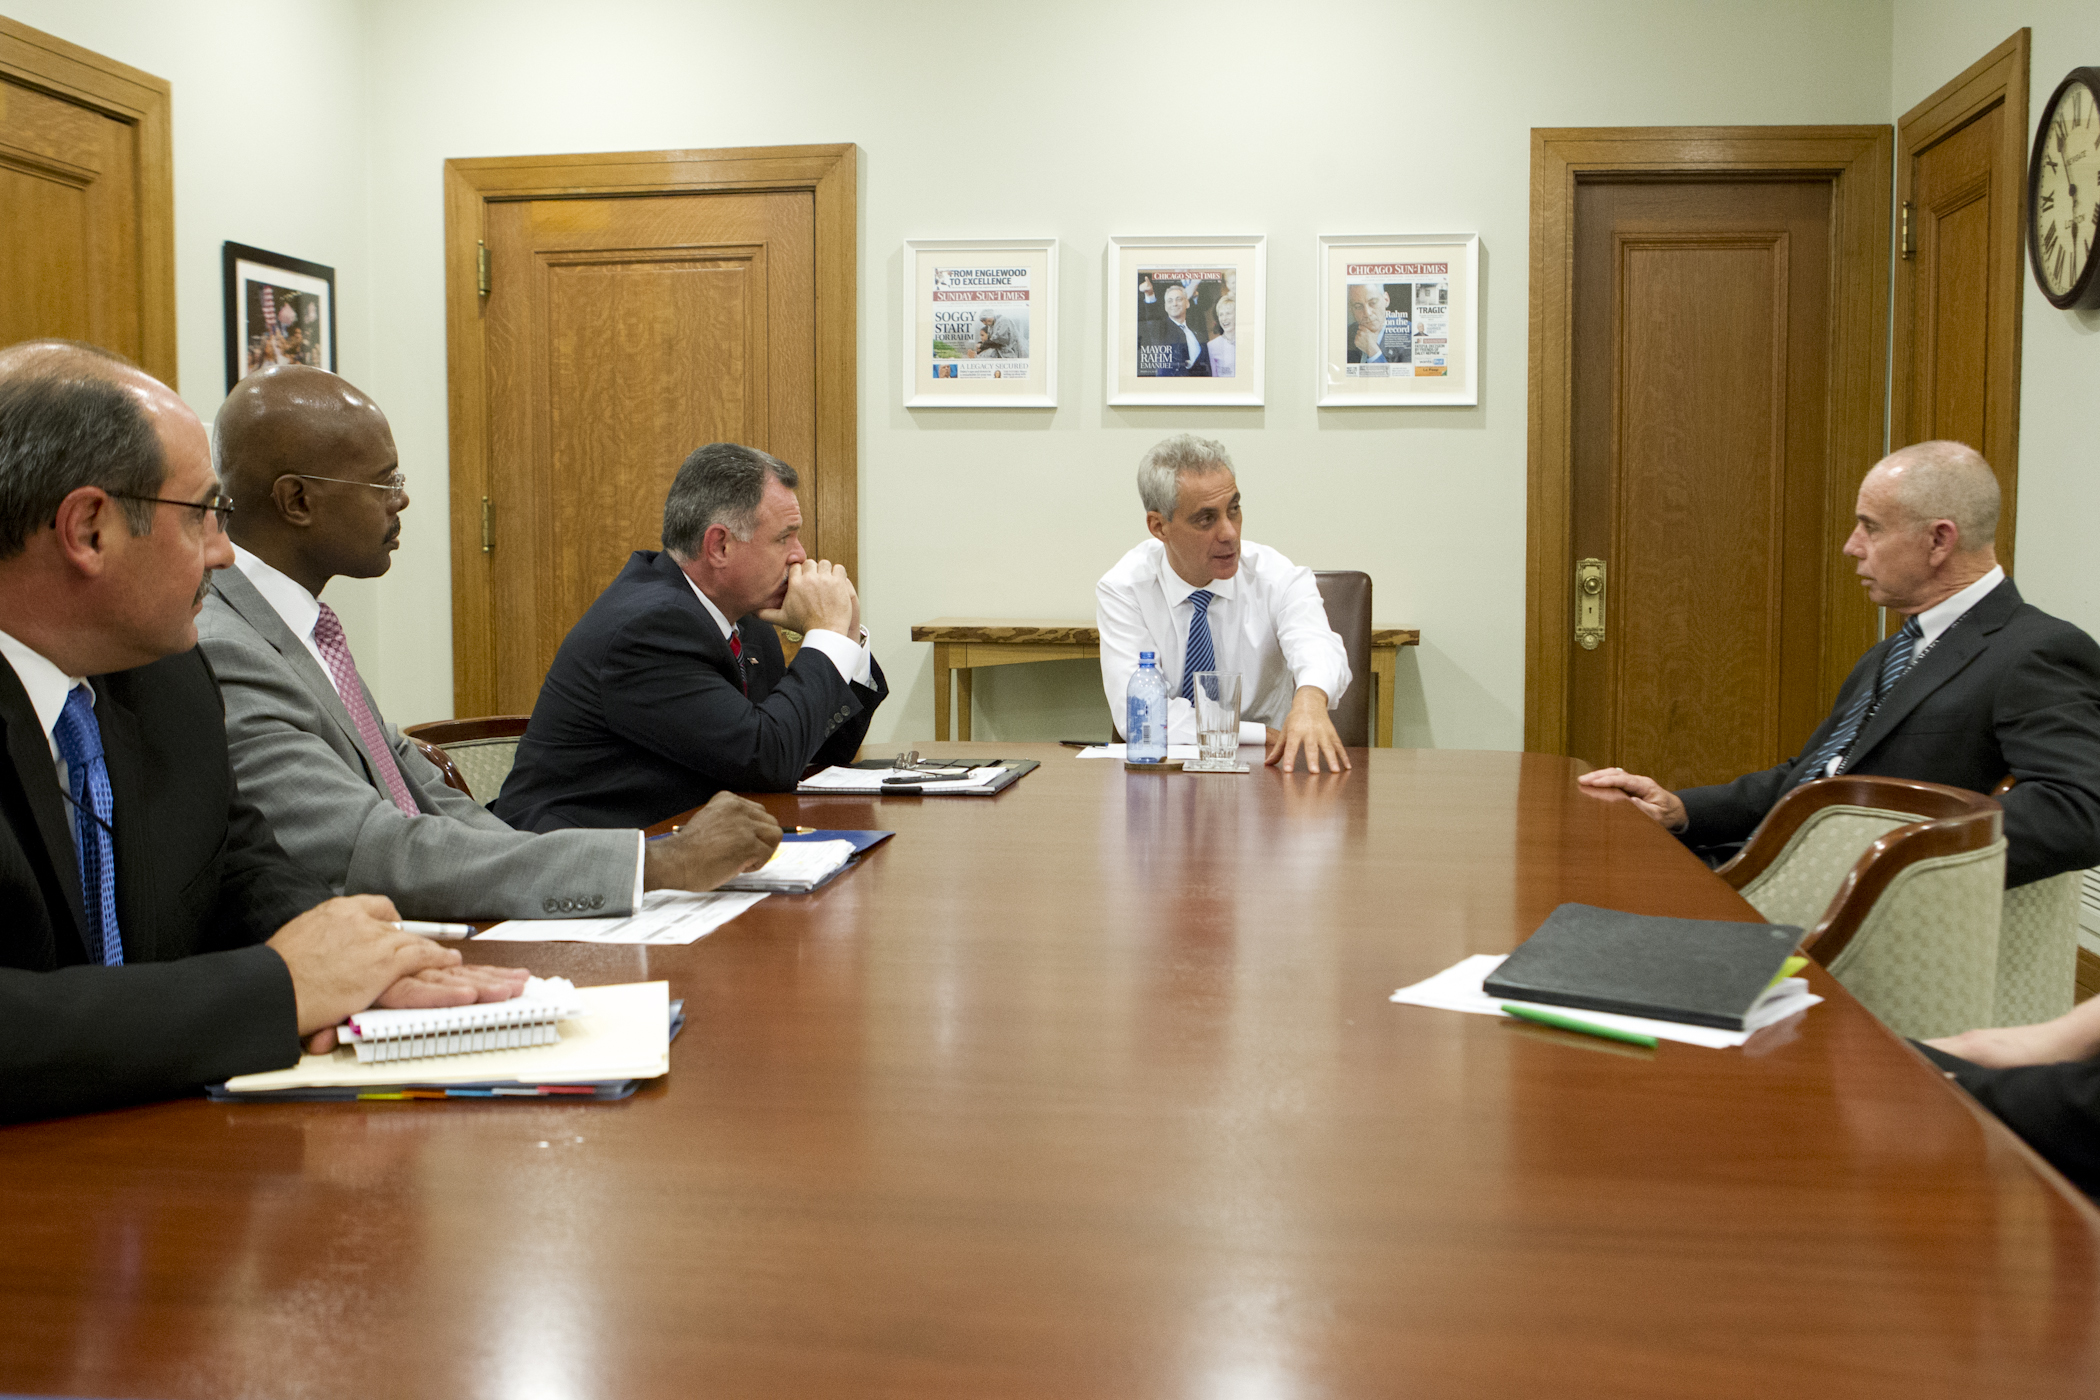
<point x="1144" y="658"/>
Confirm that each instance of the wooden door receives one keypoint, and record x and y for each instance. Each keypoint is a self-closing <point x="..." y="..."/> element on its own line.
<point x="1707" y="337"/>
<point x="86" y="200"/>
<point x="620" y="331"/>
<point x="1961" y="184"/>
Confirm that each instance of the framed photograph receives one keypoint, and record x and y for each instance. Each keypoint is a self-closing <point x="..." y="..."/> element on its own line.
<point x="1399" y="319"/>
<point x="279" y="311"/>
<point x="1185" y="320"/>
<point x="980" y="323"/>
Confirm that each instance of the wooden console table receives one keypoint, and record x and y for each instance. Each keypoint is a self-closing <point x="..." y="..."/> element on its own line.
<point x="961" y="644"/>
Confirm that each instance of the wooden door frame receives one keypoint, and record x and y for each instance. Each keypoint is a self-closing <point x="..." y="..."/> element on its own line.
<point x="136" y="98"/>
<point x="1856" y="160"/>
<point x="2000" y="76"/>
<point x="828" y="173"/>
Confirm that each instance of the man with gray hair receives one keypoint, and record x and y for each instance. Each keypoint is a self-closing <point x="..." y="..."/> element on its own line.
<point x="673" y="686"/>
<point x="1201" y="598"/>
<point x="1976" y="685"/>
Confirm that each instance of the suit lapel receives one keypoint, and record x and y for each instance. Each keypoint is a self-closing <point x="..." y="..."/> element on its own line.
<point x="233" y="588"/>
<point x="29" y="749"/>
<point x="124" y="755"/>
<point x="718" y="652"/>
<point x="1968" y="638"/>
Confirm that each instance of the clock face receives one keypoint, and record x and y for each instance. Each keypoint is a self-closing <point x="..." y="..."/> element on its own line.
<point x="2067" y="189"/>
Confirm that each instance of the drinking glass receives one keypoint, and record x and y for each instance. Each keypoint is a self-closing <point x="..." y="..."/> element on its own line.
<point x="1217" y="695"/>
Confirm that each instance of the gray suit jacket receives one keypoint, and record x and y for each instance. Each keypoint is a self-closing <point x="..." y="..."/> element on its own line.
<point x="296" y="757"/>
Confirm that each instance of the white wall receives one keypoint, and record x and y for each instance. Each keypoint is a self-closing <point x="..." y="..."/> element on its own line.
<point x="1077" y="120"/>
<point x="2060" y="350"/>
<point x="1082" y="120"/>
<point x="269" y="135"/>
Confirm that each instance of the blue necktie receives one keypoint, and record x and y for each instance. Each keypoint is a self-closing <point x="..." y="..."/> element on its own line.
<point x="80" y="745"/>
<point x="1893" y="667"/>
<point x="1198" y="656"/>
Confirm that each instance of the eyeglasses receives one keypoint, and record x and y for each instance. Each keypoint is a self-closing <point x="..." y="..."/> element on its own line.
<point x="395" y="485"/>
<point x="214" y="505"/>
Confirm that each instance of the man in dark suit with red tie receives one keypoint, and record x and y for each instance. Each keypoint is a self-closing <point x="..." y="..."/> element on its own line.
<point x="153" y="937"/>
<point x="673" y="686"/>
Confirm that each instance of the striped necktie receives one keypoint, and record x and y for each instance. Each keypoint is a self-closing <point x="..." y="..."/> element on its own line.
<point x="79" y="741"/>
<point x="736" y="658"/>
<point x="342" y="669"/>
<point x="1893" y="667"/>
<point x="1198" y="656"/>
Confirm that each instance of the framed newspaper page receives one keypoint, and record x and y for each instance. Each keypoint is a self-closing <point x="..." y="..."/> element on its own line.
<point x="1399" y="319"/>
<point x="1185" y="320"/>
<point x="980" y="323"/>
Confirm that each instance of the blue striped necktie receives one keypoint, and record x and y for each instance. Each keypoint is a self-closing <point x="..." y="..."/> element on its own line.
<point x="1893" y="667"/>
<point x="87" y="779"/>
<point x="1198" y="656"/>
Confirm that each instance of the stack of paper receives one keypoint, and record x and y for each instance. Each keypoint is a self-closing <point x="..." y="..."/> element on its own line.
<point x="908" y="781"/>
<point x="666" y="916"/>
<point x="797" y="867"/>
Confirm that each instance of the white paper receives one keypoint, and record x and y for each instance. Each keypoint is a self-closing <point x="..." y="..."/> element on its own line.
<point x="861" y="779"/>
<point x="1184" y="753"/>
<point x="666" y="916"/>
<point x="800" y="863"/>
<point x="1457" y="988"/>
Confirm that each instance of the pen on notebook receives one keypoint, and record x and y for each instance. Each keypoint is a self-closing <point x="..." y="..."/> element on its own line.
<point x="1569" y="1023"/>
<point x="805" y="831"/>
<point x="429" y="930"/>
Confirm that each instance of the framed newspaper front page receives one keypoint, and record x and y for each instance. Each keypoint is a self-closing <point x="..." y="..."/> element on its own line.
<point x="1185" y="320"/>
<point x="980" y="323"/>
<point x="1399" y="319"/>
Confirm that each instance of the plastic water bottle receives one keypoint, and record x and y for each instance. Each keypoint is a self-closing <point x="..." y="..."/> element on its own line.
<point x="1145" y="713"/>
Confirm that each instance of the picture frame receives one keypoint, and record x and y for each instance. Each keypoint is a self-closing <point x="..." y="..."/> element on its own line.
<point x="1151" y="352"/>
<point x="279" y="310"/>
<point x="980" y="323"/>
<point x="1425" y="289"/>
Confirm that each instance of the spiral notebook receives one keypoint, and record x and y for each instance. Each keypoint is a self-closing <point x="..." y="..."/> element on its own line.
<point x="530" y="1018"/>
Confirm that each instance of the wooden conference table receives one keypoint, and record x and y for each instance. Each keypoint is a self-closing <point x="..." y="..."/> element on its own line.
<point x="1092" y="1089"/>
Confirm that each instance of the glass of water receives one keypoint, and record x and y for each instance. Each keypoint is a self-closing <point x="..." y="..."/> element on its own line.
<point x="1217" y="695"/>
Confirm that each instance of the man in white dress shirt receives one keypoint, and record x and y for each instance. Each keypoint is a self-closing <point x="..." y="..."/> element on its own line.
<point x="1262" y="614"/>
<point x="311" y="466"/>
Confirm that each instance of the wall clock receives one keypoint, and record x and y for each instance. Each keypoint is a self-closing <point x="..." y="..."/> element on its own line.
<point x="2063" y="193"/>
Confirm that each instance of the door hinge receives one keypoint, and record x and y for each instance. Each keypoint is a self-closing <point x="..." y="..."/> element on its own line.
<point x="481" y="268"/>
<point x="1909" y="244"/>
<point x="1589" y="603"/>
<point x="487" y="535"/>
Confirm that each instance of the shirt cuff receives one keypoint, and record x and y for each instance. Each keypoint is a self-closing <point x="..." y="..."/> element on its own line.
<point x="641" y="861"/>
<point x="853" y="661"/>
<point x="1330" y="685"/>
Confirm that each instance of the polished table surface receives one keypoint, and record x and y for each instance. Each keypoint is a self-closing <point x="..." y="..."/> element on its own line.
<point x="1092" y="1088"/>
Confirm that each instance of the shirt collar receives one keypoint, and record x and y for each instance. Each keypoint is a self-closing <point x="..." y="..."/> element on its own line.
<point x="1944" y="614"/>
<point x="299" y="608"/>
<point x="1178" y="588"/>
<point x="721" y="618"/>
<point x="47" y="686"/>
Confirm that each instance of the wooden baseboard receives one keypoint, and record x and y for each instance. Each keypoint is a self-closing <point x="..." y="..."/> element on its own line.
<point x="2088" y="973"/>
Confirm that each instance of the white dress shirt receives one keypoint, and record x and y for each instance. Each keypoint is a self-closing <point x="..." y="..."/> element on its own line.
<point x="1936" y="620"/>
<point x="1266" y="622"/>
<point x="853" y="661"/>
<point x="1195" y="342"/>
<point x="300" y="610"/>
<point x="48" y="688"/>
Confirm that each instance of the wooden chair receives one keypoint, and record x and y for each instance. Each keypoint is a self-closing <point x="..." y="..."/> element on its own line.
<point x="471" y="753"/>
<point x="1900" y="886"/>
<point x="1347" y="595"/>
<point x="2037" y="946"/>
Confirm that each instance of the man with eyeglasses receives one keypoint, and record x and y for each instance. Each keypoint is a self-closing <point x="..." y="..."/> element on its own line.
<point x="311" y="466"/>
<point x="153" y="937"/>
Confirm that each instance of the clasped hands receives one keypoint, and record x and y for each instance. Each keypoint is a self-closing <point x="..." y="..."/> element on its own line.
<point x="818" y="595"/>
<point x="346" y="956"/>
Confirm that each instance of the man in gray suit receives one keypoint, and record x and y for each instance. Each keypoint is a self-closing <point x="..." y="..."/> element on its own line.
<point x="310" y="464"/>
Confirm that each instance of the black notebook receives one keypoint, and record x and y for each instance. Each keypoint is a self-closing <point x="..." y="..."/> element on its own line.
<point x="1702" y="972"/>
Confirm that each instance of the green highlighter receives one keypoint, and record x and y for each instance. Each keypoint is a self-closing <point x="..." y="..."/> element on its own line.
<point x="1569" y="1023"/>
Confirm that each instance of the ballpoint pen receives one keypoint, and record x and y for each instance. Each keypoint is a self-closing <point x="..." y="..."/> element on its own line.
<point x="429" y="930"/>
<point x="1570" y="1023"/>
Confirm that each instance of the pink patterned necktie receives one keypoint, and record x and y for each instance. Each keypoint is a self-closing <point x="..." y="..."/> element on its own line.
<point x="328" y="636"/>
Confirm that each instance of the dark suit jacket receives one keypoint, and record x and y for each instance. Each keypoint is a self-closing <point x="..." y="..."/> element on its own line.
<point x="2056" y="1108"/>
<point x="200" y="884"/>
<point x="2007" y="689"/>
<point x="1163" y="331"/>
<point x="641" y="716"/>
